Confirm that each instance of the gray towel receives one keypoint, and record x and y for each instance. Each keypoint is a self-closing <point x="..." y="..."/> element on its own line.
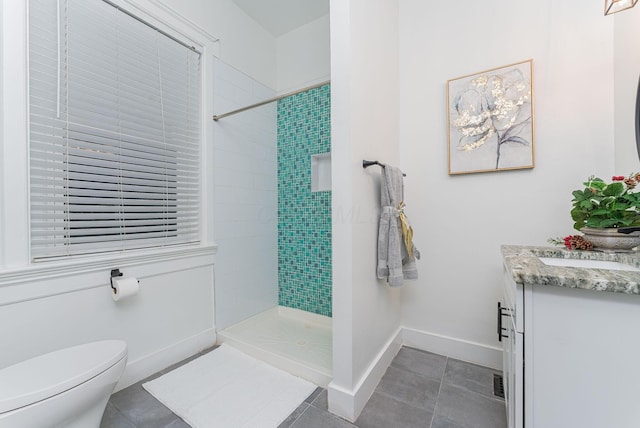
<point x="394" y="262"/>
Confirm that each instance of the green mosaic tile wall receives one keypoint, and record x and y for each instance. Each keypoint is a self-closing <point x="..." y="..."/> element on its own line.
<point x="304" y="217"/>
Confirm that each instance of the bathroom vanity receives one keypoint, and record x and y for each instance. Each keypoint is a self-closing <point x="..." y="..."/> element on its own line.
<point x="570" y="328"/>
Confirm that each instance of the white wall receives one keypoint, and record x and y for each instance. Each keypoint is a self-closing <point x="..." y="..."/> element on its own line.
<point x="2" y="42"/>
<point x="625" y="79"/>
<point x="169" y="319"/>
<point x="303" y="56"/>
<point x="245" y="197"/>
<point x="461" y="221"/>
<point x="244" y="44"/>
<point x="366" y="312"/>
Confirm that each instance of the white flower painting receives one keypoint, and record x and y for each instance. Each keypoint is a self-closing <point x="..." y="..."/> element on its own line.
<point x="491" y="120"/>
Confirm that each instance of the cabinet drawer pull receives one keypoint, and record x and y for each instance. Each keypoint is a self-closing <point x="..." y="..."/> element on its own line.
<point x="502" y="312"/>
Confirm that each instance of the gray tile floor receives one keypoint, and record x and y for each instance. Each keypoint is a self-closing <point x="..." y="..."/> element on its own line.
<point x="420" y="389"/>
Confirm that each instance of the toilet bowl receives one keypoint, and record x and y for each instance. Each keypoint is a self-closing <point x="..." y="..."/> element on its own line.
<point x="67" y="388"/>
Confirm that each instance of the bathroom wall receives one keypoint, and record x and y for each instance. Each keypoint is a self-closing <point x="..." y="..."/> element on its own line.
<point x="303" y="56"/>
<point x="304" y="216"/>
<point x="461" y="221"/>
<point x="169" y="319"/>
<point x="295" y="59"/>
<point x="244" y="44"/>
<point x="2" y="83"/>
<point x="364" y="116"/>
<point x="245" y="198"/>
<point x="46" y="306"/>
<point x="625" y="79"/>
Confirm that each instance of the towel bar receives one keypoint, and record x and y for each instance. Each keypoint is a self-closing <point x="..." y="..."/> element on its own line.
<point x="367" y="164"/>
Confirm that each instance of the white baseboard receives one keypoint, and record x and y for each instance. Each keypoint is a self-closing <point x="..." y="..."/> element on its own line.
<point x="348" y="403"/>
<point x="163" y="358"/>
<point x="472" y="352"/>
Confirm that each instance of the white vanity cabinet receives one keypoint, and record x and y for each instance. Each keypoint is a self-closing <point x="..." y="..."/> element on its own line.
<point x="572" y="358"/>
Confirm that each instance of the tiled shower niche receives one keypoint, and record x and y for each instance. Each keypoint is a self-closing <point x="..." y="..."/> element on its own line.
<point x="304" y="217"/>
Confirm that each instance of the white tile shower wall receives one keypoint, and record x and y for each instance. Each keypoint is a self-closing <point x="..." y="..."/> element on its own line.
<point x="245" y="198"/>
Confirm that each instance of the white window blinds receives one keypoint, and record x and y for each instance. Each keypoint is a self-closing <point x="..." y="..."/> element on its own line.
<point x="114" y="131"/>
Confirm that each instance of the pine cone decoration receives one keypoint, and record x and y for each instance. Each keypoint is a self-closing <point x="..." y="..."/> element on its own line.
<point x="579" y="243"/>
<point x="630" y="182"/>
<point x="572" y="242"/>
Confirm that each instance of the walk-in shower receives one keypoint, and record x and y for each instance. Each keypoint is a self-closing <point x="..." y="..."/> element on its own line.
<point x="273" y="227"/>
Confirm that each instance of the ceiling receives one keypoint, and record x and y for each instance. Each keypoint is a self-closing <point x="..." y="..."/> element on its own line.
<point x="281" y="16"/>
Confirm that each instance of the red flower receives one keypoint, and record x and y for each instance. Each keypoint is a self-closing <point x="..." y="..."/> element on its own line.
<point x="617" y="178"/>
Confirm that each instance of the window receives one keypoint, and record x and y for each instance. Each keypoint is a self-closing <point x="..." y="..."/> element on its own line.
<point x="114" y="131"/>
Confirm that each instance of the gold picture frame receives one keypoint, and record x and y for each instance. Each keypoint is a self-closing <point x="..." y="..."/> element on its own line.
<point x="490" y="119"/>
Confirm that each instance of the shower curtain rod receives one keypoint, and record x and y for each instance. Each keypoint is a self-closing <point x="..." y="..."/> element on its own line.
<point x="217" y="117"/>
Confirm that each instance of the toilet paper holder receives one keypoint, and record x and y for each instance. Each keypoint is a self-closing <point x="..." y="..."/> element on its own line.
<point x="122" y="287"/>
<point x="115" y="273"/>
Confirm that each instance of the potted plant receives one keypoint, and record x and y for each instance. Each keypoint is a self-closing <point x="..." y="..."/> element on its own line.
<point x="601" y="209"/>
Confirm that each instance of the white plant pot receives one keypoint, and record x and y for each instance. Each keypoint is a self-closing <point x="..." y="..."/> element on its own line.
<point x="609" y="239"/>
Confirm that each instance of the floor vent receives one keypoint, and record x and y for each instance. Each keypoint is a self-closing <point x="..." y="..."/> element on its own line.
<point x="498" y="386"/>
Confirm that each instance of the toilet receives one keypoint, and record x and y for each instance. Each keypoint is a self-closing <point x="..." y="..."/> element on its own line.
<point x="67" y="388"/>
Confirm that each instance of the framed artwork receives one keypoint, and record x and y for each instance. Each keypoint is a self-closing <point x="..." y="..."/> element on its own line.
<point x="490" y="120"/>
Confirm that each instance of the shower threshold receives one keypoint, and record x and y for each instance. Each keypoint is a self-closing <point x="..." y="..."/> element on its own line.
<point x="296" y="341"/>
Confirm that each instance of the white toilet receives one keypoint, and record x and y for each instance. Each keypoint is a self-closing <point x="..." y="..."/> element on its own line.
<point x="67" y="388"/>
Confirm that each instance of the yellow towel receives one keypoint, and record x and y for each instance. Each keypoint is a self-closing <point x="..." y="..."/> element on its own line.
<point x="407" y="231"/>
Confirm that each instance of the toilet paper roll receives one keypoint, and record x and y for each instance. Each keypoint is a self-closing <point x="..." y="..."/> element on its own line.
<point x="124" y="287"/>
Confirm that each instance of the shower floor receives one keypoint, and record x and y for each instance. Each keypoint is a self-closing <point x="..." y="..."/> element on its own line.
<point x="290" y="339"/>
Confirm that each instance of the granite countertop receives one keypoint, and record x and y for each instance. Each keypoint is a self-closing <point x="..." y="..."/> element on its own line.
<point x="525" y="268"/>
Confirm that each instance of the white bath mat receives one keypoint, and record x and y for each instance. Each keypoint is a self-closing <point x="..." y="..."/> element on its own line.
<point x="227" y="388"/>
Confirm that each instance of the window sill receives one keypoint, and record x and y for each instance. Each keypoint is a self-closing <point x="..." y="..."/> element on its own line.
<point x="87" y="264"/>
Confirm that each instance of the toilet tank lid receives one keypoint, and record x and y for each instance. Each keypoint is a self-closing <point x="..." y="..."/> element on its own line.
<point x="46" y="375"/>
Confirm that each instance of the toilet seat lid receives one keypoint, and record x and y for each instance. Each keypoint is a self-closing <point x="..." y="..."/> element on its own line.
<point x="46" y="375"/>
